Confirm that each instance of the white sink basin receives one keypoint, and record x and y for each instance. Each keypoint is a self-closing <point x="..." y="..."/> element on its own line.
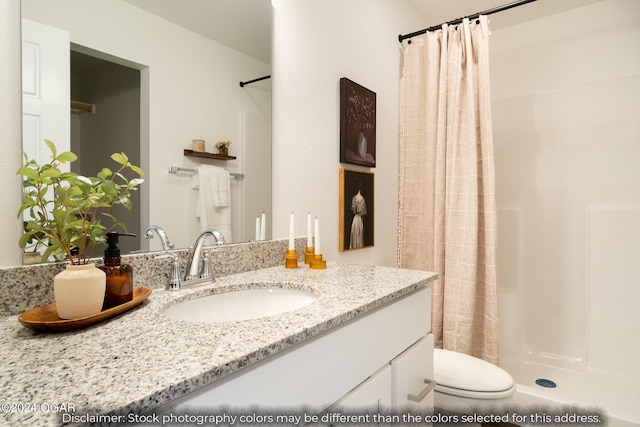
<point x="240" y="305"/>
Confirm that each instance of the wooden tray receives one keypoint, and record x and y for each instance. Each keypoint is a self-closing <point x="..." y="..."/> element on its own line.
<point x="45" y="318"/>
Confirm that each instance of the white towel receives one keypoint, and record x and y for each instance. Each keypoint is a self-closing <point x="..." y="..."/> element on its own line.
<point x="214" y="202"/>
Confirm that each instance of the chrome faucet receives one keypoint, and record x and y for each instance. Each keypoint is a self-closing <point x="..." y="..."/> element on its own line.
<point x="197" y="265"/>
<point x="164" y="239"/>
<point x="174" y="281"/>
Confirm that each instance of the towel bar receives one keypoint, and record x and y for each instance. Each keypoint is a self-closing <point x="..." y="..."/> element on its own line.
<point x="176" y="169"/>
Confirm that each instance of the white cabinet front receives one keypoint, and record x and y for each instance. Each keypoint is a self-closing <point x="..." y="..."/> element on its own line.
<point x="412" y="373"/>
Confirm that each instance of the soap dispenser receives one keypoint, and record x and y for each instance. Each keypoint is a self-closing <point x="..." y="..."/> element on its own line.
<point x="119" y="287"/>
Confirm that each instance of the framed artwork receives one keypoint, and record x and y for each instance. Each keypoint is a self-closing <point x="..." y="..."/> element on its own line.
<point x="356" y="210"/>
<point x="357" y="124"/>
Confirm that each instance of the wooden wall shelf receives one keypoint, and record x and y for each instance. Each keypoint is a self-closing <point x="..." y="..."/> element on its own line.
<point x="206" y="155"/>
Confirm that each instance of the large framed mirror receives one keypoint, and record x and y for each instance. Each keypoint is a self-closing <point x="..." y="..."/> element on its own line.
<point x="147" y="77"/>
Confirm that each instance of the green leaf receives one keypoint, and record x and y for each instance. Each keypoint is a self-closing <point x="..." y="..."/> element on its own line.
<point x="53" y="250"/>
<point x="120" y="158"/>
<point x="137" y="170"/>
<point x="106" y="173"/>
<point x="25" y="238"/>
<point x="68" y="175"/>
<point x="84" y="180"/>
<point x="126" y="202"/>
<point x="52" y="148"/>
<point x="28" y="172"/>
<point x="50" y="173"/>
<point x="110" y="188"/>
<point x="135" y="182"/>
<point x="67" y="156"/>
<point x="74" y="190"/>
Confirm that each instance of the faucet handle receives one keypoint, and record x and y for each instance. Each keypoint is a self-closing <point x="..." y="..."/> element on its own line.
<point x="205" y="274"/>
<point x="174" y="281"/>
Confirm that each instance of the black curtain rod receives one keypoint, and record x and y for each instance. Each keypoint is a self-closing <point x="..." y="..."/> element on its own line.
<point x="254" y="80"/>
<point x="459" y="20"/>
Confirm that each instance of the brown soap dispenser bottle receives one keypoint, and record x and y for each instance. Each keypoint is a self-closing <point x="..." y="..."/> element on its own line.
<point x="119" y="276"/>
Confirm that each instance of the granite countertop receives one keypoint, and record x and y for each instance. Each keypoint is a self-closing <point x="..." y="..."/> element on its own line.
<point x="142" y="359"/>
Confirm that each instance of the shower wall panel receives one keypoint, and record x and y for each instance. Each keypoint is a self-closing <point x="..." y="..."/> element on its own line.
<point x="566" y="102"/>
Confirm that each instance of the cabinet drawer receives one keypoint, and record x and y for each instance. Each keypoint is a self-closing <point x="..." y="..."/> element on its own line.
<point x="374" y="394"/>
<point x="409" y="372"/>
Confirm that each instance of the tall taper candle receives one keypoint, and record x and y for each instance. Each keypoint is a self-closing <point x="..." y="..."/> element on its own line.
<point x="309" y="231"/>
<point x="257" y="228"/>
<point x="291" y="242"/>
<point x="317" y="236"/>
<point x="263" y="227"/>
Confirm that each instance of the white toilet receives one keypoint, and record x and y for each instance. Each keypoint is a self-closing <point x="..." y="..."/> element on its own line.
<point x="465" y="382"/>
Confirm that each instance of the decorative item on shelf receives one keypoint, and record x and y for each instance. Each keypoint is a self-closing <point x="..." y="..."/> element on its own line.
<point x="316" y="262"/>
<point x="45" y="318"/>
<point x="198" y="145"/>
<point x="74" y="212"/>
<point x="291" y="257"/>
<point x="223" y="147"/>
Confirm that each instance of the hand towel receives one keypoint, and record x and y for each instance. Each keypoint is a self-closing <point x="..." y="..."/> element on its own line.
<point x="214" y="202"/>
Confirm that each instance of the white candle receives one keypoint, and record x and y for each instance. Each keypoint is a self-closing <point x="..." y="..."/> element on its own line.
<point x="309" y="231"/>
<point x="257" y="228"/>
<point x="291" y="242"/>
<point x="317" y="249"/>
<point x="263" y="227"/>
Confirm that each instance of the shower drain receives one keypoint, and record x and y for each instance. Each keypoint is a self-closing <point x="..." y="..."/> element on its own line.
<point x="543" y="382"/>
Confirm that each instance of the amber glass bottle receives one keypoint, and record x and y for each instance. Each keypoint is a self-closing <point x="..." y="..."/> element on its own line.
<point x="119" y="276"/>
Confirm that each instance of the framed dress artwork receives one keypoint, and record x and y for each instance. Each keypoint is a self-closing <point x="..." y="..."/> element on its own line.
<point x="356" y="210"/>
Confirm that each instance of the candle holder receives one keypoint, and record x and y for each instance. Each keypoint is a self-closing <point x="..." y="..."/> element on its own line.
<point x="308" y="254"/>
<point x="291" y="259"/>
<point x="317" y="263"/>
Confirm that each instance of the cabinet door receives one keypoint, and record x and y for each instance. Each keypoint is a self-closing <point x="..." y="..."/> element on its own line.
<point x="412" y="377"/>
<point x="373" y="393"/>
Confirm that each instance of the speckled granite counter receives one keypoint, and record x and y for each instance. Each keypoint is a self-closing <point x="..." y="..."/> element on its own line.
<point x="142" y="359"/>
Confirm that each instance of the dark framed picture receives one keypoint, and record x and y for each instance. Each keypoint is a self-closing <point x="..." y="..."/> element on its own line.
<point x="356" y="210"/>
<point x="357" y="124"/>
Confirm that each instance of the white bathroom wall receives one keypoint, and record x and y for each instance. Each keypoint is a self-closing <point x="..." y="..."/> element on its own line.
<point x="10" y="130"/>
<point x="191" y="84"/>
<point x="614" y="250"/>
<point x="315" y="44"/>
<point x="566" y="102"/>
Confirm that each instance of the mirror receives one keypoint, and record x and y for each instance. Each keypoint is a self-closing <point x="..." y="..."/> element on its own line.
<point x="188" y="62"/>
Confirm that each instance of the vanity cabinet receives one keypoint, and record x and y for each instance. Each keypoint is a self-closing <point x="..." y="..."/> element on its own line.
<point x="376" y="359"/>
<point x="408" y="374"/>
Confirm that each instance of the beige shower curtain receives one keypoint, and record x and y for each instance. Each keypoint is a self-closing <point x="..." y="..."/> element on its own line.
<point x="447" y="213"/>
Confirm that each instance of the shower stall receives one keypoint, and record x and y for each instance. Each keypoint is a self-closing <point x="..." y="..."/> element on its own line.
<point x="566" y="115"/>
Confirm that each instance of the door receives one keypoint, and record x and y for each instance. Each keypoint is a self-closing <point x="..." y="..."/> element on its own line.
<point x="45" y="89"/>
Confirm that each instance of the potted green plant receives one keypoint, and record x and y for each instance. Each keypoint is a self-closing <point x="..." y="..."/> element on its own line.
<point x="74" y="213"/>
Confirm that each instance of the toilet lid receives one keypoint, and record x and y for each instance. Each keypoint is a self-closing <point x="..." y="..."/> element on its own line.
<point x="455" y="370"/>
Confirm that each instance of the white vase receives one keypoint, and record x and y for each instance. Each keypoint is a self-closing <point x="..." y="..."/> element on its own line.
<point x="79" y="291"/>
<point x="362" y="145"/>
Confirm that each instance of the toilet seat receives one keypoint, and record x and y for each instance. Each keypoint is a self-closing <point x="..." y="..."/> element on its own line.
<point x="467" y="376"/>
